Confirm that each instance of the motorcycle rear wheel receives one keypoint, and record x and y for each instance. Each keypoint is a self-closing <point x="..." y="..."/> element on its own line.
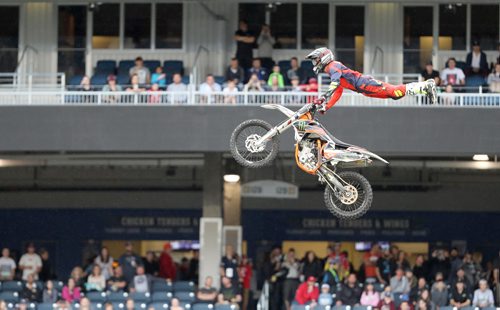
<point x="249" y="155"/>
<point x="345" y="208"/>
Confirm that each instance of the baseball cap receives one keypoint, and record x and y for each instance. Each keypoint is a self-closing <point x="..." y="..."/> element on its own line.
<point x="311" y="279"/>
<point x="167" y="246"/>
<point x="475" y="43"/>
<point x="325" y="285"/>
<point x="111" y="77"/>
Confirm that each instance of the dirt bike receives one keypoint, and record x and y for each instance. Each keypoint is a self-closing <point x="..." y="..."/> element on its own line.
<point x="348" y="194"/>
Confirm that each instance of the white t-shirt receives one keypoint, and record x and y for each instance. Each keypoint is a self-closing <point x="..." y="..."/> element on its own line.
<point x="452" y="76"/>
<point x="7" y="264"/>
<point x="476" y="60"/>
<point x="228" y="90"/>
<point x="141" y="284"/>
<point x="31" y="262"/>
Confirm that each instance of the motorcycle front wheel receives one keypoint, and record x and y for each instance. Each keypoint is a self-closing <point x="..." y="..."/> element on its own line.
<point x="355" y="202"/>
<point x="244" y="149"/>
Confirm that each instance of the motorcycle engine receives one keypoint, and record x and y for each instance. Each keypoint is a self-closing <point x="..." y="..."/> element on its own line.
<point x="307" y="155"/>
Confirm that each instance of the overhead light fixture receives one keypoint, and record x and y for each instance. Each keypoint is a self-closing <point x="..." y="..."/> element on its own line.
<point x="480" y="157"/>
<point x="231" y="178"/>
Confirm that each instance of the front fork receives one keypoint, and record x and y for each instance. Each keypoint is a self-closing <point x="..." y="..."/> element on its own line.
<point x="331" y="179"/>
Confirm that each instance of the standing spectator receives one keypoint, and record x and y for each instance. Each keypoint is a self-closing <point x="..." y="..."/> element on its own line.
<point x="331" y="276"/>
<point x="258" y="69"/>
<point x="399" y="283"/>
<point x="7" y="266"/>
<point x="30" y="290"/>
<point x="151" y="265"/>
<point x="177" y="86"/>
<point x="230" y="92"/>
<point x="229" y="265"/>
<point x="234" y="72"/>
<point x="143" y="74"/>
<point x="420" y="267"/>
<point x="370" y="259"/>
<point x="477" y="64"/>
<point x="477" y="260"/>
<point x="276" y="74"/>
<point x="183" y="270"/>
<point x="254" y="84"/>
<point x="307" y="293"/>
<point x="229" y="293"/>
<point x="452" y="75"/>
<point x="142" y="283"/>
<point x="117" y="281"/>
<point x="129" y="262"/>
<point x="483" y="296"/>
<point x="47" y="271"/>
<point x="311" y="266"/>
<point x="159" y="78"/>
<point x="469" y="268"/>
<point x="291" y="282"/>
<point x="244" y="45"/>
<point x="386" y="303"/>
<point x="30" y="263"/>
<point x="105" y="262"/>
<point x="459" y="296"/>
<point x="71" y="292"/>
<point x="95" y="281"/>
<point x="402" y="262"/>
<point x="207" y="293"/>
<point x="384" y="268"/>
<point x="325" y="298"/>
<point x="266" y="43"/>
<point x="430" y="73"/>
<point x="245" y="274"/>
<point x="494" y="80"/>
<point x="455" y="263"/>
<point x="350" y="292"/>
<point x="50" y="294"/>
<point x="89" y="252"/>
<point x="194" y="264"/>
<point x="370" y="298"/>
<point x="439" y="293"/>
<point x="168" y="269"/>
<point x="295" y="70"/>
<point x="111" y="87"/>
<point x="334" y="251"/>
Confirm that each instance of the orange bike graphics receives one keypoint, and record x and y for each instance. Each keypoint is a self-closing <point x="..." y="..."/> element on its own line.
<point x="318" y="165"/>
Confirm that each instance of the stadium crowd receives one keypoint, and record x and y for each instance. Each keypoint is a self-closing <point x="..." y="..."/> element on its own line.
<point x="385" y="280"/>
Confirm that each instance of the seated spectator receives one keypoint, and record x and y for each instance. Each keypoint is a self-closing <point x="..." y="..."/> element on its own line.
<point x="129" y="304"/>
<point x="253" y="84"/>
<point x="258" y="69"/>
<point x="386" y="303"/>
<point x="154" y="96"/>
<point x="430" y="73"/>
<point x="370" y="297"/>
<point x="274" y="85"/>
<point x="105" y="261"/>
<point x="142" y="283"/>
<point x="7" y="266"/>
<point x="417" y="290"/>
<point x="111" y="87"/>
<point x="399" y="283"/>
<point x="207" y="293"/>
<point x="234" y="72"/>
<point x="452" y="75"/>
<point x="295" y="70"/>
<point x="85" y="84"/>
<point x="483" y="296"/>
<point x="175" y="304"/>
<point x="459" y="296"/>
<point x="332" y="276"/>
<point x="476" y="61"/>
<point x="210" y="85"/>
<point x="71" y="292"/>
<point x="159" y="78"/>
<point x="117" y="281"/>
<point x="412" y="281"/>
<point x="177" y="86"/>
<point x="307" y="293"/>
<point x="96" y="281"/>
<point x="276" y="74"/>
<point x="143" y="74"/>
<point x="311" y="266"/>
<point x="3" y="305"/>
<point x="325" y="298"/>
<point x="109" y="306"/>
<point x="460" y="275"/>
<point x="295" y="85"/>
<point x="439" y="293"/>
<point x="30" y="290"/>
<point x="78" y="276"/>
<point x="494" y="80"/>
<point x="350" y="292"/>
<point x="311" y="86"/>
<point x="405" y="305"/>
<point x="228" y="293"/>
<point x="448" y="97"/>
<point x="50" y="294"/>
<point x="85" y="304"/>
<point x="425" y="296"/>
<point x="135" y="85"/>
<point x="230" y="92"/>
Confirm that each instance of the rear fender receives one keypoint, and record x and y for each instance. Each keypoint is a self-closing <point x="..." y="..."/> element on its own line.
<point x="367" y="153"/>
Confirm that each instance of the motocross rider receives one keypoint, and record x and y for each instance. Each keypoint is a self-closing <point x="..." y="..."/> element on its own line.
<point x="343" y="77"/>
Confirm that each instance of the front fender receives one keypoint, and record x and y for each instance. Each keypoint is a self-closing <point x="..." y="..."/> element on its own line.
<point x="281" y="108"/>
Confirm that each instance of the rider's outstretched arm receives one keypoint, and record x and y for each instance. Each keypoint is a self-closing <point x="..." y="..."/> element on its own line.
<point x="334" y="92"/>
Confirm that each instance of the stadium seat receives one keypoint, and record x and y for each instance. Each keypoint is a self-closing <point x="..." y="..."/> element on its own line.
<point x="123" y="79"/>
<point x="307" y="66"/>
<point x="117" y="297"/>
<point x="267" y="63"/>
<point x="9" y="296"/>
<point x="469" y="308"/>
<point x="219" y="80"/>
<point x="118" y="305"/>
<point x="159" y="305"/>
<point x="362" y="308"/>
<point x="162" y="296"/>
<point x="141" y="297"/>
<point x="95" y="306"/>
<point x="379" y="287"/>
<point x="46" y="306"/>
<point x="97" y="297"/>
<point x="185" y="79"/>
<point x="185" y="305"/>
<point x="187" y="297"/>
<point x="184" y="286"/>
<point x="124" y="66"/>
<point x="105" y="67"/>
<point x="284" y="66"/>
<point x="152" y="65"/>
<point x="173" y="66"/>
<point x="343" y="307"/>
<point x="12" y="286"/>
<point x="447" y="308"/>
<point x="202" y="306"/>
<point x="99" y="79"/>
<point x="75" y="80"/>
<point x="233" y="307"/>
<point x="162" y="286"/>
<point x="58" y="285"/>
<point x="140" y="306"/>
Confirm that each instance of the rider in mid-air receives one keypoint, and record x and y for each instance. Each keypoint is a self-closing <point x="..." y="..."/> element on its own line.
<point x="343" y="77"/>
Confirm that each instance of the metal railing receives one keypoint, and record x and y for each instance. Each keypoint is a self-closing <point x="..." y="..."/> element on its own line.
<point x="198" y="98"/>
<point x="32" y="81"/>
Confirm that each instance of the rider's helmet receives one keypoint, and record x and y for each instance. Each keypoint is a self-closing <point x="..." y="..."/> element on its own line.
<point x="320" y="58"/>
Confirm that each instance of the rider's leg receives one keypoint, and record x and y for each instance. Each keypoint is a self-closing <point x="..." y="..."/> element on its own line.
<point x="377" y="89"/>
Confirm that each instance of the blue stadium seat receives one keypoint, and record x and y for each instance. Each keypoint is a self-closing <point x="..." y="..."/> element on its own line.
<point x="159" y="305"/>
<point x="140" y="306"/>
<point x="219" y="80"/>
<point x="118" y="305"/>
<point x="162" y="286"/>
<point x="162" y="296"/>
<point x="364" y="308"/>
<point x="12" y="286"/>
<point x="185" y="79"/>
<point x="379" y="287"/>
<point x="46" y="306"/>
<point x="99" y="79"/>
<point x="58" y="285"/>
<point x="105" y="67"/>
<point x="173" y="66"/>
<point x="95" y="306"/>
<point x="284" y="66"/>
<point x="152" y="65"/>
<point x="118" y="297"/>
<point x="75" y="80"/>
<point x="468" y="308"/>
<point x="141" y="297"/>
<point x="343" y="307"/>
<point x="187" y="297"/>
<point x="97" y="297"/>
<point x="446" y="308"/>
<point x="9" y="296"/>
<point x="124" y="66"/>
<point x="184" y="286"/>
<point x="123" y="79"/>
<point x="202" y="306"/>
<point x="306" y="65"/>
<point x="474" y="81"/>
<point x="233" y="307"/>
<point x="185" y="305"/>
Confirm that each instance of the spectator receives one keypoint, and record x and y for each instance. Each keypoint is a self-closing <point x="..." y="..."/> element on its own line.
<point x="253" y="84"/>
<point x="405" y="305"/>
<point x="274" y="86"/>
<point x="129" y="262"/>
<point x="455" y="263"/>
<point x="469" y="268"/>
<point x="494" y="80"/>
<point x="168" y="269"/>
<point x="151" y="265"/>
<point x="71" y="292"/>
<point x="307" y="293"/>
<point x="159" y="77"/>
<point x="422" y="305"/>
<point x="430" y="73"/>
<point x="459" y="296"/>
<point x="258" y="69"/>
<point x="276" y="74"/>
<point x="370" y="298"/>
<point x="135" y="86"/>
<point x="142" y="283"/>
<point x="426" y="297"/>
<point x="448" y="97"/>
<point x="460" y="276"/>
<point x="117" y="281"/>
<point x="325" y="298"/>
<point x="47" y="271"/>
<point x="183" y="270"/>
<point x="228" y="294"/>
<point x="417" y="291"/>
<point x="370" y="259"/>
<point x="266" y="43"/>
<point x="207" y="293"/>
<point x="386" y="303"/>
<point x="452" y="75"/>
<point x="245" y="273"/>
<point x="30" y="290"/>
<point x="311" y="266"/>
<point x="439" y="293"/>
<point x="295" y="85"/>
<point x="291" y="282"/>
<point x="78" y="275"/>
<point x="96" y="281"/>
<point x="384" y="268"/>
<point x="3" y="305"/>
<point x="334" y="251"/>
<point x="194" y="264"/>
<point x="154" y="94"/>
<point x="50" y="294"/>
<point x="477" y="64"/>
<point x="477" y="260"/>
<point x="210" y="86"/>
<point x="244" y="45"/>
<point x="175" y="304"/>
<point x="420" y="267"/>
<point x="85" y="84"/>
<point x="234" y="72"/>
<point x="312" y="87"/>
<point x="229" y="265"/>
<point x="483" y="296"/>
<point x="143" y="74"/>
<point x="30" y="263"/>
<point x="412" y="281"/>
<point x="331" y="276"/>
<point x="350" y="292"/>
<point x="399" y="283"/>
<point x="177" y="86"/>
<point x="402" y="262"/>
<point x="7" y="266"/>
<point x="295" y="70"/>
<point x="111" y="87"/>
<point x="230" y="92"/>
<point x="105" y="262"/>
<point x="129" y="304"/>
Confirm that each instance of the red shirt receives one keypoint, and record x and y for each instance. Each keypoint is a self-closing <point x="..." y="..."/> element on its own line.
<point x="303" y="296"/>
<point x="245" y="273"/>
<point x="167" y="267"/>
